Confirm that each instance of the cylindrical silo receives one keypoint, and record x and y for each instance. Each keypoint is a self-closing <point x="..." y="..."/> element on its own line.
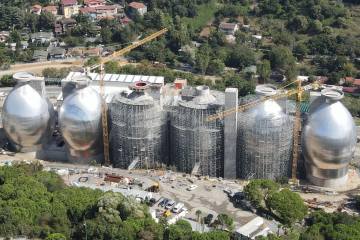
<point x="138" y="130"/>
<point x="27" y="116"/>
<point x="328" y="140"/>
<point x="197" y="145"/>
<point x="265" y="139"/>
<point x="80" y="123"/>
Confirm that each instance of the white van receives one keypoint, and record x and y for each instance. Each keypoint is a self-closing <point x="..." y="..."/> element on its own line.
<point x="178" y="207"/>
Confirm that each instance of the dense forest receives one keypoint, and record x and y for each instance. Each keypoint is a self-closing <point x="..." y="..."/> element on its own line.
<point x="38" y="204"/>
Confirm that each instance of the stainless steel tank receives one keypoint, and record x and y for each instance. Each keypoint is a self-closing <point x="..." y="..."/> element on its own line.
<point x="197" y="145"/>
<point x="26" y="116"/>
<point x="265" y="138"/>
<point x="80" y="121"/>
<point x="328" y="140"/>
<point x="138" y="132"/>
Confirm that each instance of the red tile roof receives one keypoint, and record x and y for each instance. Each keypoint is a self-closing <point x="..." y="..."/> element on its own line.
<point x="36" y="7"/>
<point x="50" y="8"/>
<point x="68" y="2"/>
<point x="351" y="90"/>
<point x="106" y="7"/>
<point x="87" y="10"/>
<point x="91" y="2"/>
<point x="356" y="82"/>
<point x="136" y="5"/>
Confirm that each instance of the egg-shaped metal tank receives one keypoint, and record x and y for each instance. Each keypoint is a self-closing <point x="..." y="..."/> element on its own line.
<point x="138" y="132"/>
<point x="80" y="120"/>
<point x="197" y="145"/>
<point x="26" y="115"/>
<point x="328" y="140"/>
<point x="265" y="136"/>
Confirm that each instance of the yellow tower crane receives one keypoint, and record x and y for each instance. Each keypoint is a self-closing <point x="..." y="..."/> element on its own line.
<point x="297" y="121"/>
<point x="102" y="85"/>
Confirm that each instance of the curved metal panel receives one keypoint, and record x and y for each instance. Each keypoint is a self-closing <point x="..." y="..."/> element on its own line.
<point x="80" y="119"/>
<point x="26" y="116"/>
<point x="328" y="140"/>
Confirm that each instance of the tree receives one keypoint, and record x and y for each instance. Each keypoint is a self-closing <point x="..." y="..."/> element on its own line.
<point x="215" y="67"/>
<point x="240" y="57"/>
<point x="106" y="35"/>
<point x="225" y="221"/>
<point x="245" y="87"/>
<point x="198" y="214"/>
<point x="280" y="57"/>
<point x="315" y="27"/>
<point x="287" y="206"/>
<point x="202" y="58"/>
<point x="46" y="21"/>
<point x="300" y="51"/>
<point x="264" y="70"/>
<point x="298" y="23"/>
<point x="258" y="190"/>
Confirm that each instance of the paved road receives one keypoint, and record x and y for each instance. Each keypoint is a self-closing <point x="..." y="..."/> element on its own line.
<point x="37" y="67"/>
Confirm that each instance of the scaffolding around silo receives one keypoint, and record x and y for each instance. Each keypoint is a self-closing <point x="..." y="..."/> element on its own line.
<point x="138" y="131"/>
<point x="265" y="141"/>
<point x="197" y="146"/>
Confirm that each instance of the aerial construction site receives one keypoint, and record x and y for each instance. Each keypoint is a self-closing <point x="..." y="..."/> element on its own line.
<point x="139" y="122"/>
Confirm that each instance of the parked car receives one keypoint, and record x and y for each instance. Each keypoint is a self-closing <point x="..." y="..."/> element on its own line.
<point x="208" y="218"/>
<point x="178" y="207"/>
<point x="192" y="187"/>
<point x="152" y="201"/>
<point x="164" y="202"/>
<point x="170" y="204"/>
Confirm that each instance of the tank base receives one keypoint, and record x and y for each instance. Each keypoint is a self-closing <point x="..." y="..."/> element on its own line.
<point x="328" y="183"/>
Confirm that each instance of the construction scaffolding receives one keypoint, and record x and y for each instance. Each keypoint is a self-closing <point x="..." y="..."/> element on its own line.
<point x="265" y="140"/>
<point x="197" y="146"/>
<point x="138" y="131"/>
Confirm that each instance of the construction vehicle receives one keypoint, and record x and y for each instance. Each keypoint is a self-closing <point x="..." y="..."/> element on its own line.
<point x="298" y="91"/>
<point x="100" y="66"/>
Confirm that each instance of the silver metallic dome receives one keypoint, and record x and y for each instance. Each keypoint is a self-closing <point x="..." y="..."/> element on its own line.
<point x="265" y="138"/>
<point x="26" y="115"/>
<point x="328" y="140"/>
<point x="80" y="117"/>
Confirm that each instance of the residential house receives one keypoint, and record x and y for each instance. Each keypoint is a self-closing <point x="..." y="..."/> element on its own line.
<point x="36" y="9"/>
<point x="94" y="3"/>
<point x="354" y="86"/>
<point x="107" y="11"/>
<point x="92" y="52"/>
<point x="88" y="11"/>
<point x="40" y="56"/>
<point x="229" y="28"/>
<point x="138" y="7"/>
<point x="56" y="53"/>
<point x="125" y="21"/>
<point x="64" y="25"/>
<point x="4" y="36"/>
<point x="42" y="37"/>
<point x="69" y="8"/>
<point x="51" y="9"/>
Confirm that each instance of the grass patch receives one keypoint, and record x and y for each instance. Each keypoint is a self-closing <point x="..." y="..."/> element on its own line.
<point x="357" y="121"/>
<point x="205" y="14"/>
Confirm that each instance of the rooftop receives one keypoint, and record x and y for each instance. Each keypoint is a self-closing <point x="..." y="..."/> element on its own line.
<point x="69" y="2"/>
<point x="136" y="5"/>
<point x="120" y="78"/>
<point x="228" y="26"/>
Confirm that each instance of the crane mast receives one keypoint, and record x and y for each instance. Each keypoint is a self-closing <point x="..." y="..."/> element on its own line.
<point x="297" y="121"/>
<point x="104" y="108"/>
